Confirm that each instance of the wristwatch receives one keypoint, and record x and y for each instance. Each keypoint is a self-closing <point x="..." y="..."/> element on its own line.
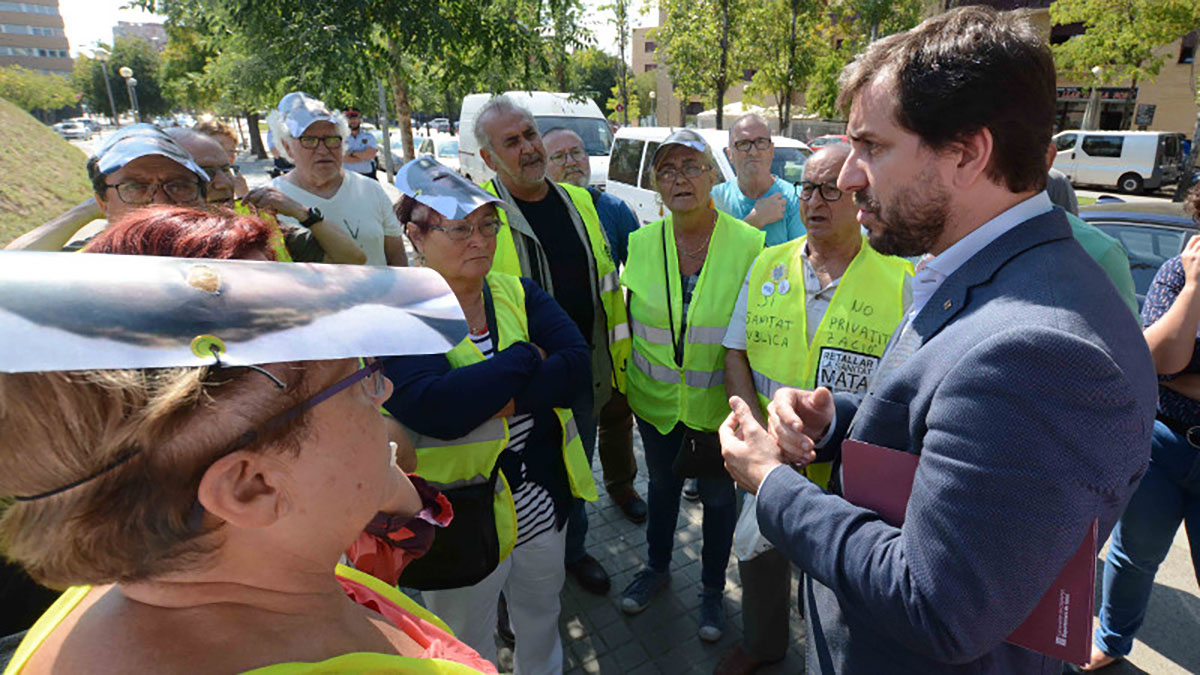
<point x="314" y="217"/>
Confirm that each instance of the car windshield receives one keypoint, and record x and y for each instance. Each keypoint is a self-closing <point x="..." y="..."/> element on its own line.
<point x="448" y="149"/>
<point x="787" y="164"/>
<point x="597" y="136"/>
<point x="1148" y="247"/>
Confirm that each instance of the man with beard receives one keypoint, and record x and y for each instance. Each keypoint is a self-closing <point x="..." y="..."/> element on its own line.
<point x="1030" y="409"/>
<point x="551" y="233"/>
<point x="757" y="196"/>
<point x="568" y="163"/>
<point x="816" y="311"/>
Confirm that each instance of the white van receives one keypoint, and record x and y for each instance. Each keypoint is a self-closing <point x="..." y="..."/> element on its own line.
<point x="630" y="173"/>
<point x="1129" y="160"/>
<point x="550" y="110"/>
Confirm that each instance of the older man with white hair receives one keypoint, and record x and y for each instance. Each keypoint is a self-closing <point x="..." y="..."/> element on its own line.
<point x="552" y="234"/>
<point x="757" y="196"/>
<point x="312" y="137"/>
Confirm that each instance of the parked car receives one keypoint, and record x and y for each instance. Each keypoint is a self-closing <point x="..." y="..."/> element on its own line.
<point x="440" y="125"/>
<point x="828" y="139"/>
<point x="629" y="171"/>
<point x="1151" y="232"/>
<point x="1131" y="161"/>
<point x="550" y="110"/>
<point x="88" y="122"/>
<point x="72" y="130"/>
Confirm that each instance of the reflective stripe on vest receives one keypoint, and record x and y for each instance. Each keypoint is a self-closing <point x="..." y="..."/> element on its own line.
<point x="612" y="300"/>
<point x="865" y="309"/>
<point x="660" y="391"/>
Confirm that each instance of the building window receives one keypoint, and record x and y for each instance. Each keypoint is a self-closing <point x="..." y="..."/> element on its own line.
<point x="650" y="46"/>
<point x="22" y="29"/>
<point x="28" y="8"/>
<point x="651" y="66"/>
<point x="1187" y="48"/>
<point x="34" y="52"/>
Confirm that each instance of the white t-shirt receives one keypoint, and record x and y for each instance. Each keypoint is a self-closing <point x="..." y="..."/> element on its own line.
<point x="360" y="206"/>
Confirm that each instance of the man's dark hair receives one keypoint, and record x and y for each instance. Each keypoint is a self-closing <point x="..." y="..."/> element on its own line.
<point x="965" y="70"/>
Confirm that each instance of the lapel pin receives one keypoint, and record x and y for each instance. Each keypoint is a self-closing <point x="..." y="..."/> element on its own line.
<point x="947" y="305"/>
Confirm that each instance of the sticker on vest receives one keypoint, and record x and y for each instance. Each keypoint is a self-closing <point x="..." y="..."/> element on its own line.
<point x="767" y="289"/>
<point x="784" y="287"/>
<point x="844" y="371"/>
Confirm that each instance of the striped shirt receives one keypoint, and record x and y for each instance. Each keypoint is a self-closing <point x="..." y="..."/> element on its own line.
<point x="535" y="508"/>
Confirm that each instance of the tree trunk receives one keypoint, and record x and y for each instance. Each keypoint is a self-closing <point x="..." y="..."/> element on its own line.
<point x="1127" y="118"/>
<point x="1185" y="180"/>
<point x="622" y="73"/>
<point x="256" y="144"/>
<point x="785" y="119"/>
<point x="723" y="74"/>
<point x="399" y="81"/>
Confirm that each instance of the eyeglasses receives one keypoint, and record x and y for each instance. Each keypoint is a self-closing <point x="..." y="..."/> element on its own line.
<point x="670" y="175"/>
<point x="577" y="155"/>
<point x="829" y="192"/>
<point x="212" y="171"/>
<point x="464" y="230"/>
<point x="370" y="376"/>
<point x="760" y="143"/>
<point x="351" y="115"/>
<point x="311" y="142"/>
<point x="178" y="191"/>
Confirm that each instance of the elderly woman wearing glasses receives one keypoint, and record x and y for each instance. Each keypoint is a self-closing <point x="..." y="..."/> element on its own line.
<point x="211" y="503"/>
<point x="312" y="137"/>
<point x="683" y="276"/>
<point x="492" y="427"/>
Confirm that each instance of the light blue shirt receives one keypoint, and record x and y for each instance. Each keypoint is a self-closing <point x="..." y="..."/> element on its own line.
<point x="356" y="142"/>
<point x="729" y="198"/>
<point x="933" y="270"/>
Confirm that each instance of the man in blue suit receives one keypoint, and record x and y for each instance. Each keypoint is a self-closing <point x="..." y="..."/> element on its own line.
<point x="1019" y="376"/>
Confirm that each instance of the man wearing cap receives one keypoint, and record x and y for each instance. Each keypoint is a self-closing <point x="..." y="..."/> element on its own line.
<point x="136" y="166"/>
<point x="552" y="234"/>
<point x="567" y="162"/>
<point x="321" y="241"/>
<point x="757" y="196"/>
<point x="361" y="146"/>
<point x="313" y="138"/>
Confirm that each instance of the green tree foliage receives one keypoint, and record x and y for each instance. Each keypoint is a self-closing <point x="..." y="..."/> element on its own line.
<point x="1121" y="36"/>
<point x="698" y="41"/>
<point x="783" y="50"/>
<point x="30" y="90"/>
<point x="140" y="57"/>
<point x="592" y="73"/>
<point x="638" y="93"/>
<point x="852" y="26"/>
<point x="620" y="22"/>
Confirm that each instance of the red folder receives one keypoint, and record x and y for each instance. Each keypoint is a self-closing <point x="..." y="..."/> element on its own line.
<point x="1060" y="626"/>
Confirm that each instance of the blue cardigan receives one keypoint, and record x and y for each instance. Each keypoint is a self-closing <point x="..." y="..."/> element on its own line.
<point x="436" y="400"/>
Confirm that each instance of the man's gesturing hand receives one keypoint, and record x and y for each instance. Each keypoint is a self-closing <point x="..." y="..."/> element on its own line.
<point x="797" y="419"/>
<point x="749" y="451"/>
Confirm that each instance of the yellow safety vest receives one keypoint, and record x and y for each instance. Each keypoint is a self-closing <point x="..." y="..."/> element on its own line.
<point x="276" y="237"/>
<point x="612" y="300"/>
<point x="866" y="307"/>
<point x="358" y="662"/>
<point x="661" y="391"/>
<point x="469" y="460"/>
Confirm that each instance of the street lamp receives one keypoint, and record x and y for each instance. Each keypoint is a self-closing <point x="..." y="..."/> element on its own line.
<point x="653" y="108"/>
<point x="1091" y="114"/>
<point x="131" y="86"/>
<point x="102" y="56"/>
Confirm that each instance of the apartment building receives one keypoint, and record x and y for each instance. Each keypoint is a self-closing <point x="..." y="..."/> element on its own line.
<point x="32" y="36"/>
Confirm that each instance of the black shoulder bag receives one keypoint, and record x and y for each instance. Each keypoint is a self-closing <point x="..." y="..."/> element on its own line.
<point x="468" y="549"/>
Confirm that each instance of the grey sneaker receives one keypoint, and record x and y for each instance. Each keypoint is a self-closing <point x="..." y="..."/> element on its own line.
<point x="644" y="586"/>
<point x="712" y="615"/>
